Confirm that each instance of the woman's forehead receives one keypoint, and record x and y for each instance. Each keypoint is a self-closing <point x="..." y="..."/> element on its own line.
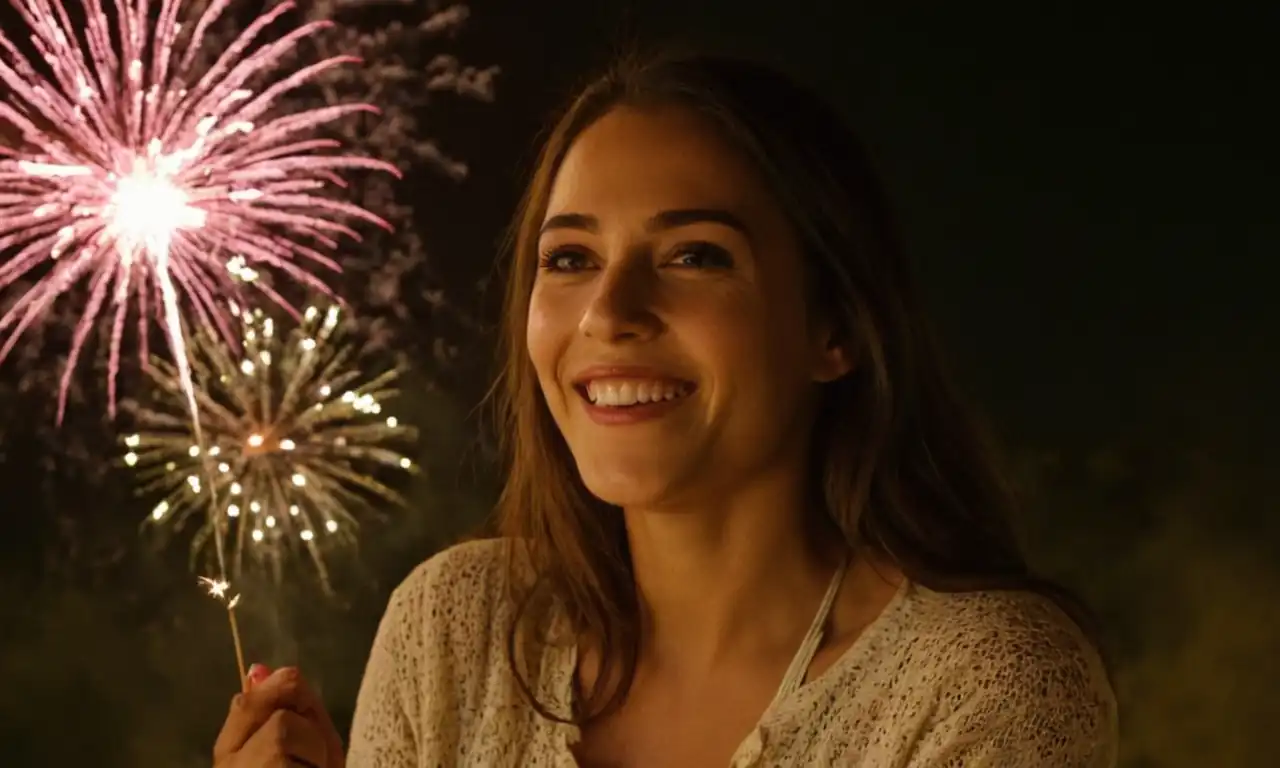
<point x="654" y="159"/>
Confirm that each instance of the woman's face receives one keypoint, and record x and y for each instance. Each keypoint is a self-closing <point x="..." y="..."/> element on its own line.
<point x="668" y="323"/>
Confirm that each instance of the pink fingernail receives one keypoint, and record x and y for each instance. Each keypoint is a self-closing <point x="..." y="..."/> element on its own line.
<point x="258" y="673"/>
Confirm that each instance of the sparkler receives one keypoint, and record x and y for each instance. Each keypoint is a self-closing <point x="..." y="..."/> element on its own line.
<point x="158" y="182"/>
<point x="295" y="430"/>
<point x="218" y="589"/>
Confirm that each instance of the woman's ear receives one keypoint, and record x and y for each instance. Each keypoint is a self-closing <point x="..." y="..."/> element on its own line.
<point x="833" y="354"/>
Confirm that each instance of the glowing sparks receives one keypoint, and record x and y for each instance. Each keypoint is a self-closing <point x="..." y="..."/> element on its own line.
<point x="217" y="587"/>
<point x="298" y="444"/>
<point x="165" y="185"/>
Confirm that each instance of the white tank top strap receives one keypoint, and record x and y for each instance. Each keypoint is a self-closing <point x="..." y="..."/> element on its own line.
<point x="801" y="662"/>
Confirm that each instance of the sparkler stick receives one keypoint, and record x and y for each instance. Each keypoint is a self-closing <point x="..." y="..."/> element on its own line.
<point x="235" y="638"/>
<point x="218" y="589"/>
<point x="173" y="324"/>
<point x="188" y="388"/>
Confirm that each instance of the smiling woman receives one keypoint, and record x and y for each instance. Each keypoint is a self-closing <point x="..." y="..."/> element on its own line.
<point x="747" y="520"/>
<point x="670" y="264"/>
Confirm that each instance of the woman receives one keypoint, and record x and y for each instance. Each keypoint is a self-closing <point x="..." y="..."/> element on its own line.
<point x="747" y="521"/>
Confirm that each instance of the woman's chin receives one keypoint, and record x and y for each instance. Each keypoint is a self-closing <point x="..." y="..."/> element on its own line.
<point x="640" y="488"/>
<point x="638" y="494"/>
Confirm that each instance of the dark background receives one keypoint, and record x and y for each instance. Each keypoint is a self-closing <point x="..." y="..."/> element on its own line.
<point x="1082" y="188"/>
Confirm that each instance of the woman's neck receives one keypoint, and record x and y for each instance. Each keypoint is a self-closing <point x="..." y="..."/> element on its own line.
<point x="730" y="582"/>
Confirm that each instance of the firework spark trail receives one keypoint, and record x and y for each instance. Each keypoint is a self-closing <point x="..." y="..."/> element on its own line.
<point x="296" y="431"/>
<point x="148" y="179"/>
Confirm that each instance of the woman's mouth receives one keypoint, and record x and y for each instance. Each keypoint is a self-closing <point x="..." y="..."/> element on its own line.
<point x="629" y="392"/>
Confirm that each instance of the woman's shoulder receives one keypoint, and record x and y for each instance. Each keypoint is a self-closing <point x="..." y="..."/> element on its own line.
<point x="455" y="595"/>
<point x="996" y="626"/>
<point x="469" y="569"/>
<point x="1014" y="649"/>
<point x="427" y="672"/>
<point x="978" y="678"/>
<point x="463" y="581"/>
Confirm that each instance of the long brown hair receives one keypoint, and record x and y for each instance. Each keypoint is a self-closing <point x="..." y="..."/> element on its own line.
<point x="900" y="465"/>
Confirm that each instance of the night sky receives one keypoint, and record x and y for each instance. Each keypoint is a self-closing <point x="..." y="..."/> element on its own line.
<point x="1082" y="189"/>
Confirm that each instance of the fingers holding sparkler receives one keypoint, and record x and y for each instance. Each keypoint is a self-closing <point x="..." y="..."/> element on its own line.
<point x="278" y="719"/>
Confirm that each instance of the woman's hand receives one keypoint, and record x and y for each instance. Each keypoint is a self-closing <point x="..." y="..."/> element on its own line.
<point x="277" y="722"/>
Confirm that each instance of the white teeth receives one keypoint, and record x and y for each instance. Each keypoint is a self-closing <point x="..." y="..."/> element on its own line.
<point x="619" y="393"/>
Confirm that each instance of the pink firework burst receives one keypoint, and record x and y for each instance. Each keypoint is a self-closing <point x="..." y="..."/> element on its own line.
<point x="166" y="186"/>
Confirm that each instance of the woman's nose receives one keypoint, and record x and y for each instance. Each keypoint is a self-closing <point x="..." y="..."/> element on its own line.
<point x="623" y="305"/>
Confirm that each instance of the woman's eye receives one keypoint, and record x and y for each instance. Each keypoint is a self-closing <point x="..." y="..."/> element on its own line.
<point x="702" y="256"/>
<point x="563" y="260"/>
